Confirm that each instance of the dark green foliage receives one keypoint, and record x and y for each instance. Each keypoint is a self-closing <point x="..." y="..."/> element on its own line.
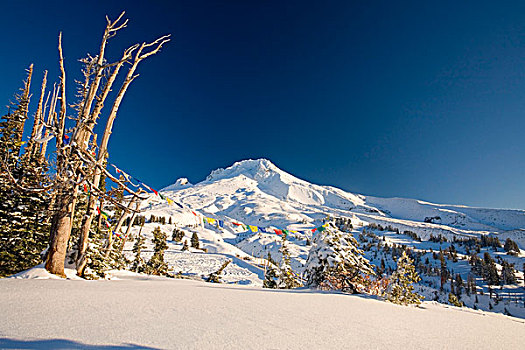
<point x="156" y="265"/>
<point x="139" y="264"/>
<point x="185" y="245"/>
<point x="511" y="247"/>
<point x="489" y="270"/>
<point x="24" y="230"/>
<point x="195" y="241"/>
<point x="177" y="235"/>
<point x="507" y="273"/>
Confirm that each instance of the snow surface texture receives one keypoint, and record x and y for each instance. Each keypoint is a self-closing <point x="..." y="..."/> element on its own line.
<point x="139" y="312"/>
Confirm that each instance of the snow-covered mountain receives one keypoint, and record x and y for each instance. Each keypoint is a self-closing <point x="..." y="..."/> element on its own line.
<point x="259" y="193"/>
<point x="256" y="192"/>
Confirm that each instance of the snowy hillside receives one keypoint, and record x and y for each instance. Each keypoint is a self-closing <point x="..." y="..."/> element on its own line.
<point x="137" y="312"/>
<point x="256" y="192"/>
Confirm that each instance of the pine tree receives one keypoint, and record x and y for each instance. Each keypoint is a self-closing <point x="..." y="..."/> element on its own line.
<point x="139" y="264"/>
<point x="156" y="265"/>
<point x="287" y="278"/>
<point x="511" y="247"/>
<point x="177" y="235"/>
<point x="24" y="230"/>
<point x="507" y="273"/>
<point x="458" y="285"/>
<point x="336" y="263"/>
<point x="489" y="269"/>
<point x="400" y="288"/>
<point x="195" y="241"/>
<point x="185" y="245"/>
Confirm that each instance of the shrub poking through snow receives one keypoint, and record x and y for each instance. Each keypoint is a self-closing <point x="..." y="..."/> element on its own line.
<point x="336" y="263"/>
<point x="215" y="276"/>
<point x="401" y="290"/>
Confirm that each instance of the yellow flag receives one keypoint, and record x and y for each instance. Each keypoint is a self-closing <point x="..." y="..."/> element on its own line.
<point x="253" y="228"/>
<point x="170" y="202"/>
<point x="210" y="221"/>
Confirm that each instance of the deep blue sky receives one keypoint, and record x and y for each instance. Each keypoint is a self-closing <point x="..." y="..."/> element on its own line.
<point x="413" y="99"/>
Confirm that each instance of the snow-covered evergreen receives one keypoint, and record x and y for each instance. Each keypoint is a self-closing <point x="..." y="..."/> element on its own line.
<point x="336" y="262"/>
<point x="401" y="288"/>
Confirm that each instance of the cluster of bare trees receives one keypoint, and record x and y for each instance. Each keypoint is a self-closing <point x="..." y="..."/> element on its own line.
<point x="79" y="159"/>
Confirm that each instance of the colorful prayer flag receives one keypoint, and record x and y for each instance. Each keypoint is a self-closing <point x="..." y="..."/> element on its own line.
<point x="221" y="223"/>
<point x="278" y="232"/>
<point x="253" y="228"/>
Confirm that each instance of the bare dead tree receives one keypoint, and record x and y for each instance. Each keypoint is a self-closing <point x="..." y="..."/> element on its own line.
<point x="102" y="152"/>
<point x="38" y="122"/>
<point x="76" y="164"/>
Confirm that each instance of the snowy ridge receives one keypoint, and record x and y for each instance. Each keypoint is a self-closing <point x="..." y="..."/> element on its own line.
<point x="256" y="191"/>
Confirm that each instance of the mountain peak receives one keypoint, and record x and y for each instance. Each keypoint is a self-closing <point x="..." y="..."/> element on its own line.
<point x="252" y="168"/>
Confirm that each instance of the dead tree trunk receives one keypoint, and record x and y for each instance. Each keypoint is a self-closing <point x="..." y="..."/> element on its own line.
<point x="73" y="158"/>
<point x="102" y="152"/>
<point x="38" y="123"/>
<point x="63" y="212"/>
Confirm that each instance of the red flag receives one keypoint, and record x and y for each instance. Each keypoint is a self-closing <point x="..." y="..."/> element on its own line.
<point x="314" y="229"/>
<point x="278" y="232"/>
<point x="193" y="213"/>
<point x="236" y="224"/>
<point x="85" y="188"/>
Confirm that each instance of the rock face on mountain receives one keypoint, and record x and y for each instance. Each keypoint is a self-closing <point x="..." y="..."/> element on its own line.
<point x="258" y="192"/>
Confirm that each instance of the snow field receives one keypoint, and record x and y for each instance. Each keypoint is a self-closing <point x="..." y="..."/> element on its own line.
<point x="182" y="314"/>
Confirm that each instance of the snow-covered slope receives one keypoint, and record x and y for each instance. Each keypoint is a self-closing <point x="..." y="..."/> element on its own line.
<point x="256" y="192"/>
<point x="259" y="193"/>
<point x="139" y="312"/>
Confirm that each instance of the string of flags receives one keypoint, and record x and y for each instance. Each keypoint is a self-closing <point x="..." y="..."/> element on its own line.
<point x="255" y="229"/>
<point x="128" y="178"/>
<point x="217" y="222"/>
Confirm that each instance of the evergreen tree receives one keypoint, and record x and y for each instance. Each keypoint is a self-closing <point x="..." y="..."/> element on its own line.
<point x="507" y="273"/>
<point x="271" y="275"/>
<point x="400" y="288"/>
<point x="489" y="270"/>
<point x="185" y="245"/>
<point x="156" y="265"/>
<point x="195" y="241"/>
<point x="511" y="247"/>
<point x="177" y="235"/>
<point x="24" y="229"/>
<point x="335" y="262"/>
<point x="287" y="278"/>
<point x="139" y="264"/>
<point x="459" y="285"/>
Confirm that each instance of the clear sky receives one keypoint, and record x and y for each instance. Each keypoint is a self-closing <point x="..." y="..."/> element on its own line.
<point x="412" y="99"/>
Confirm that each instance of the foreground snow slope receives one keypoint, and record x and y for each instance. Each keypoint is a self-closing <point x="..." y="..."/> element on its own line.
<point x="181" y="314"/>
